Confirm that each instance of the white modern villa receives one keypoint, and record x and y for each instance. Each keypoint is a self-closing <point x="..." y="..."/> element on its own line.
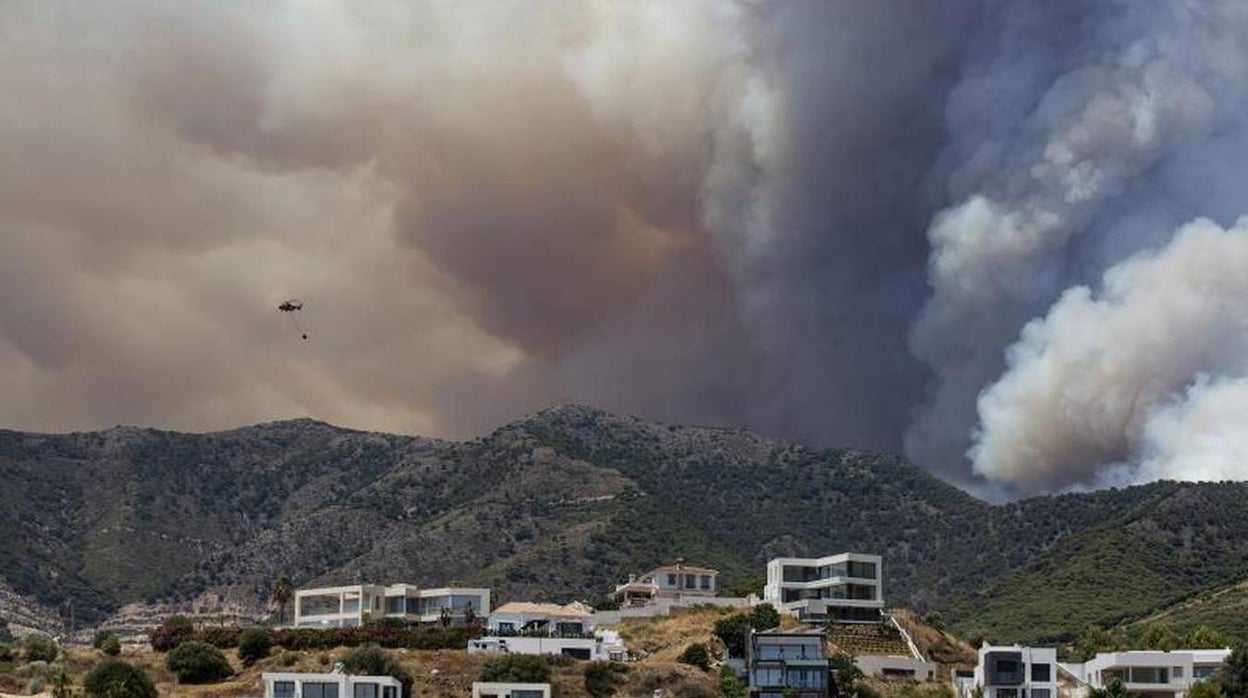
<point x="677" y="581"/>
<point x="791" y="662"/>
<point x="351" y="605"/>
<point x="1153" y="674"/>
<point x="551" y="629"/>
<point x="542" y="619"/>
<point x="1013" y="671"/>
<point x="845" y="588"/>
<point x="481" y="689"/>
<point x="330" y="685"/>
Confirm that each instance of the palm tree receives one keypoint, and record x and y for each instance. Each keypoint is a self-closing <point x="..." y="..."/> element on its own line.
<point x="282" y="591"/>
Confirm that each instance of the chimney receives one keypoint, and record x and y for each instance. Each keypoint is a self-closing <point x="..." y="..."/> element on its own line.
<point x="680" y="563"/>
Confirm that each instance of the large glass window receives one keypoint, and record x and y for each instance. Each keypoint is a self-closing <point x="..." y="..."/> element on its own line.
<point x="1176" y="672"/>
<point x="319" y="605"/>
<point x="1041" y="693"/>
<point x="706" y="581"/>
<point x="389" y="692"/>
<point x="526" y="694"/>
<point x="395" y="605"/>
<point x="768" y="676"/>
<point x="793" y="573"/>
<point x="862" y="570"/>
<point x="671" y="580"/>
<point x="1041" y="672"/>
<point x="365" y="690"/>
<point x="691" y="581"/>
<point x="1150" y="674"/>
<point x="806" y="678"/>
<point x="1203" y="672"/>
<point x="1006" y="693"/>
<point x="320" y="690"/>
<point x="283" y="689"/>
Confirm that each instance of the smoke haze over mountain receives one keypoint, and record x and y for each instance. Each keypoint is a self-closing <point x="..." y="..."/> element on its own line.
<point x="960" y="229"/>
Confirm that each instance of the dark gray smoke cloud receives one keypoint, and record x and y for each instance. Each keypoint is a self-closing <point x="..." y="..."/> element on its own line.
<point x="827" y="221"/>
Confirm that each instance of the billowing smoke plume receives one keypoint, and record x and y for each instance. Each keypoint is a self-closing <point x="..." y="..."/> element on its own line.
<point x="822" y="220"/>
<point x="1148" y="373"/>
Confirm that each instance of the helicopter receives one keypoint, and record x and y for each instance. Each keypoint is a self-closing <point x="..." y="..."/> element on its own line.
<point x="291" y="306"/>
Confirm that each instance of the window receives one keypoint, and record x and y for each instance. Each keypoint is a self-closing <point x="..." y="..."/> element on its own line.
<point x="1006" y="693"/>
<point x="365" y="690"/>
<point x="395" y="605"/>
<point x="1041" y="693"/>
<point x="527" y="694"/>
<point x="1041" y="672"/>
<point x="320" y="690"/>
<point x="389" y="692"/>
<point x="862" y="570"/>
<point x="768" y="676"/>
<point x="1150" y="674"/>
<point x="506" y="627"/>
<point x="671" y="580"/>
<point x="1176" y="672"/>
<point x="706" y="581"/>
<point x="320" y="605"/>
<point x="283" y="689"/>
<point x="691" y="581"/>
<point x="1203" y="672"/>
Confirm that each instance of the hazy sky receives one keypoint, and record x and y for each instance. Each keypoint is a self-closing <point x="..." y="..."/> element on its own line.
<point x="962" y="230"/>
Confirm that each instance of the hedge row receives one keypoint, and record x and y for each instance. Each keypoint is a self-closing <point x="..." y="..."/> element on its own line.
<point x="166" y="637"/>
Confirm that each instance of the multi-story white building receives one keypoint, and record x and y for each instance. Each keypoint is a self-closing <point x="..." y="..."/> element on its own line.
<point x="1154" y="674"/>
<point x="787" y="663"/>
<point x="676" y="582"/>
<point x="351" y="605"/>
<point x="331" y="685"/>
<point x="483" y="689"/>
<point x="1013" y="671"/>
<point x="842" y="588"/>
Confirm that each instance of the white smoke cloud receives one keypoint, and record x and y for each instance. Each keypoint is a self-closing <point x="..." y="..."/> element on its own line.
<point x="1146" y="373"/>
<point x="1053" y="194"/>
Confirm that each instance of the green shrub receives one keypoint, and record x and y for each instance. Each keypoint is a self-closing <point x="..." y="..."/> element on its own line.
<point x="219" y="637"/>
<point x="764" y="617"/>
<point x="696" y="655"/>
<point x="602" y="677"/>
<point x="253" y="645"/>
<point x="374" y="661"/>
<point x="40" y="648"/>
<point x="110" y="646"/>
<point x="516" y="668"/>
<point x="288" y="659"/>
<point x="729" y="685"/>
<point x="733" y="631"/>
<point x="172" y="632"/>
<point x="198" y="662"/>
<point x="114" y="678"/>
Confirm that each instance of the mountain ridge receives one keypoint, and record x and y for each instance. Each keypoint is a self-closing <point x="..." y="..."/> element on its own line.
<point x="563" y="504"/>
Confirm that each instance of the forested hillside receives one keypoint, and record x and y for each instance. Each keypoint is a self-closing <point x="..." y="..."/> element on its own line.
<point x="567" y="502"/>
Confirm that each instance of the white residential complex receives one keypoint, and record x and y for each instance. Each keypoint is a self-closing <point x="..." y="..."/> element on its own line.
<point x="330" y="685"/>
<point x="841" y="588"/>
<point x="1013" y="671"/>
<point x="1155" y="674"/>
<point x="350" y="606"/>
